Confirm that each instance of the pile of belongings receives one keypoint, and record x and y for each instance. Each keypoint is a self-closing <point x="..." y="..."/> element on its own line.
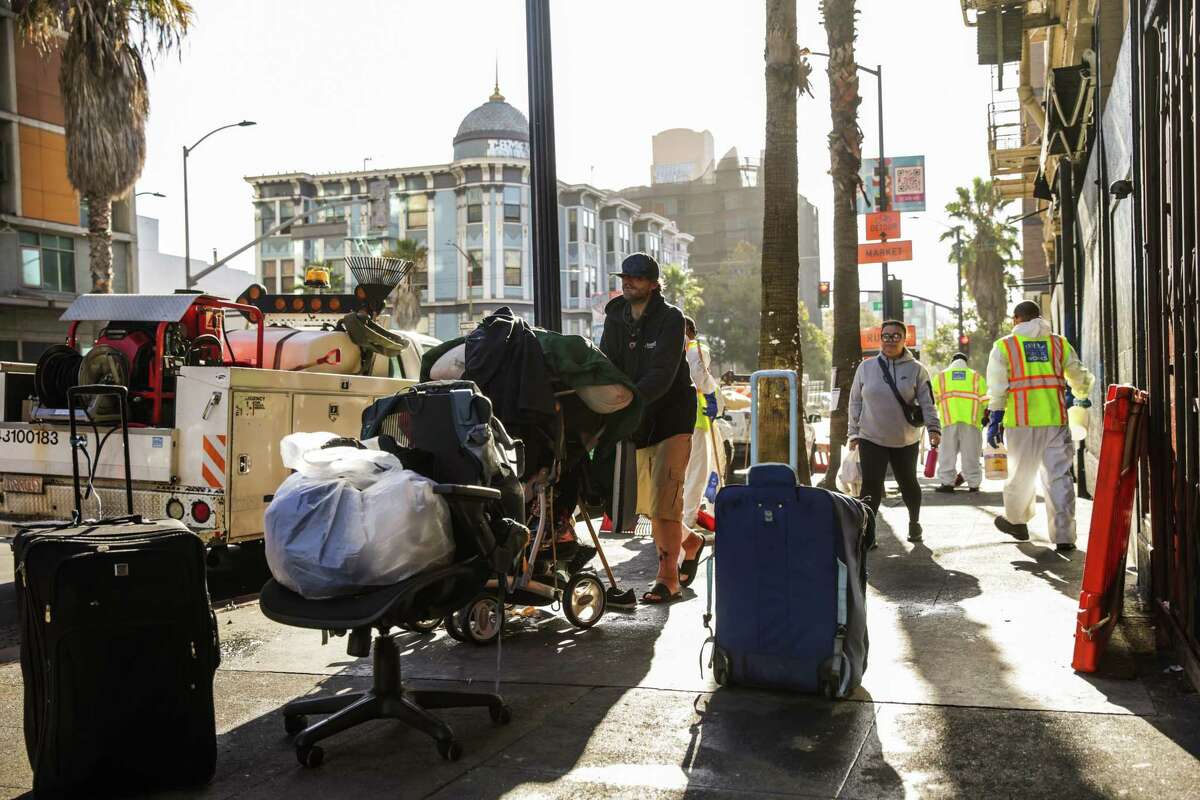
<point x="547" y="388"/>
<point x="351" y="518"/>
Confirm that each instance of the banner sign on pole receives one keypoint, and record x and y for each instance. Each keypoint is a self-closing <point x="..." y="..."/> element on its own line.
<point x="880" y="252"/>
<point x="905" y="184"/>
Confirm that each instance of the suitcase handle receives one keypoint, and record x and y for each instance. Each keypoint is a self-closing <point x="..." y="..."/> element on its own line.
<point x="793" y="412"/>
<point x="76" y="443"/>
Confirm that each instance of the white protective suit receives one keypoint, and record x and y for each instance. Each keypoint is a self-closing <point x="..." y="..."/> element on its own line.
<point x="1039" y="451"/>
<point x="704" y="459"/>
<point x="960" y="440"/>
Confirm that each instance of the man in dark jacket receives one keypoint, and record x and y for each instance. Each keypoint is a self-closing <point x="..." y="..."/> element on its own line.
<point x="643" y="336"/>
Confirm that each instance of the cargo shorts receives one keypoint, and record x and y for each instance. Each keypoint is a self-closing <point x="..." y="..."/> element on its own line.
<point x="661" y="469"/>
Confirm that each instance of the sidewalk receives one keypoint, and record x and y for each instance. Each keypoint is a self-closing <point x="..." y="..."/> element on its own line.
<point x="969" y="693"/>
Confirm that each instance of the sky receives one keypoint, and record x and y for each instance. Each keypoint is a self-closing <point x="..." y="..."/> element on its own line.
<point x="332" y="84"/>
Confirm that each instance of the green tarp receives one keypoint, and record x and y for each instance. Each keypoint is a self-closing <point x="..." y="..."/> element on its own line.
<point x="575" y="362"/>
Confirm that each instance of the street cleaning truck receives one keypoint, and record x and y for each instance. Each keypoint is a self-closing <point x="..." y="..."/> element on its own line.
<point x="213" y="386"/>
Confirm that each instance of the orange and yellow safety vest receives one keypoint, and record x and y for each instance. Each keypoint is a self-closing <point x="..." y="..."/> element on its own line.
<point x="959" y="392"/>
<point x="1036" y="381"/>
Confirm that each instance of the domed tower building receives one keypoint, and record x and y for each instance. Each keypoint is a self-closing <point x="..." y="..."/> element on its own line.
<point x="469" y="218"/>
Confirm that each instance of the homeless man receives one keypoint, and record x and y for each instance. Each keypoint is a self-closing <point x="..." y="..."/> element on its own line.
<point x="643" y="336"/>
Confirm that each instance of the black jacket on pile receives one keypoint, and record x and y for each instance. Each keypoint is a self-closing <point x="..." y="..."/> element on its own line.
<point x="652" y="352"/>
<point x="505" y="360"/>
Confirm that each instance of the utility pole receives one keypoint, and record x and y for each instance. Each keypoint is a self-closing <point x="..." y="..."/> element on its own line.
<point x="888" y="313"/>
<point x="543" y="177"/>
<point x="958" y="263"/>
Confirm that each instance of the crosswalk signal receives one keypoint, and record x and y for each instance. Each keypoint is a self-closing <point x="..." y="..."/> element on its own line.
<point x="823" y="294"/>
<point x="964" y="344"/>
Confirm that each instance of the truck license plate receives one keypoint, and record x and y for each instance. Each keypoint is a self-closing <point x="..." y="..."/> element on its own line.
<point x="28" y="484"/>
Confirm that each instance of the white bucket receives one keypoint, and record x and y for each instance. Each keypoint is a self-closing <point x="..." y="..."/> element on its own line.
<point x="995" y="463"/>
<point x="1077" y="419"/>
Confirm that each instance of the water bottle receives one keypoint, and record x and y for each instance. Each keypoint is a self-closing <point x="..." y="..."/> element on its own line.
<point x="931" y="462"/>
<point x="995" y="463"/>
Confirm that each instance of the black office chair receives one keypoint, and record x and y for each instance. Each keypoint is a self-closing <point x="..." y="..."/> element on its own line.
<point x="487" y="541"/>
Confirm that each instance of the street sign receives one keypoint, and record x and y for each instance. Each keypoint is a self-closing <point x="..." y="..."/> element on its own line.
<point x="883" y="225"/>
<point x="877" y="305"/>
<point x="905" y="184"/>
<point x="879" y="252"/>
<point x="869" y="338"/>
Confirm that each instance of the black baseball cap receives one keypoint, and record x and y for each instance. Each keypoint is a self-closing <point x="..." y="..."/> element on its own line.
<point x="639" y="265"/>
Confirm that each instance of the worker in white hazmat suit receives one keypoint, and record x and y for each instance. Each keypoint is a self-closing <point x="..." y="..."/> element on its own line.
<point x="1028" y="376"/>
<point x="705" y="459"/>
<point x="961" y="396"/>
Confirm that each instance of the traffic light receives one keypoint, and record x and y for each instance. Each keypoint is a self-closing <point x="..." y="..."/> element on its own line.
<point x="893" y="299"/>
<point x="964" y="344"/>
<point x="823" y="294"/>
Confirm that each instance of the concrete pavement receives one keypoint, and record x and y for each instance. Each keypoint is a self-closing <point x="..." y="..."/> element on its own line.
<point x="969" y="692"/>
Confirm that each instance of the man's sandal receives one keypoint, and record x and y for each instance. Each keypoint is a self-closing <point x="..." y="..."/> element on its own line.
<point x="659" y="594"/>
<point x="691" y="566"/>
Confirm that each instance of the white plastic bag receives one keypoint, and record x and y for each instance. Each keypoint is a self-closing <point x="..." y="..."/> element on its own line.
<point x="849" y="477"/>
<point x="351" y="519"/>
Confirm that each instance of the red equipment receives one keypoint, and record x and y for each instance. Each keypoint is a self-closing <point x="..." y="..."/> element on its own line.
<point x="931" y="462"/>
<point x="1112" y="512"/>
<point x="190" y="321"/>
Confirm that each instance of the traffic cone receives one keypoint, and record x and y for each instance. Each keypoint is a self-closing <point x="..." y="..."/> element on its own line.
<point x="606" y="525"/>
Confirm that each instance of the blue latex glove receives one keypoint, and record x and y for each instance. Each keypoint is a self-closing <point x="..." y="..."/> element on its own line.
<point x="1070" y="397"/>
<point x="710" y="405"/>
<point x="995" y="435"/>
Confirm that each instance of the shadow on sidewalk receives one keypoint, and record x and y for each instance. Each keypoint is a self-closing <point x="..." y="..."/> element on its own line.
<point x="1056" y="569"/>
<point x="947" y="745"/>
<point x="550" y="672"/>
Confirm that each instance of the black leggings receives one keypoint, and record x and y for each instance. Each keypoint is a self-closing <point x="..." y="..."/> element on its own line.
<point x="875" y="460"/>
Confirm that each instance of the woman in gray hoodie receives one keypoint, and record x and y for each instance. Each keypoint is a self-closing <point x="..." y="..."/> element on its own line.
<point x="879" y="427"/>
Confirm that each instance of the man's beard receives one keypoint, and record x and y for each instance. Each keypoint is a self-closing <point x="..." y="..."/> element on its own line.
<point x="635" y="296"/>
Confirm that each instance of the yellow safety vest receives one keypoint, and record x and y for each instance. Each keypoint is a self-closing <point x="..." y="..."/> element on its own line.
<point x="1036" y="382"/>
<point x="959" y="392"/>
<point x="702" y="421"/>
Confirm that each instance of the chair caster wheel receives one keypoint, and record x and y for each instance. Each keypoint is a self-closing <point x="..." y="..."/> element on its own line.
<point x="450" y="750"/>
<point x="501" y="715"/>
<point x="310" y="756"/>
<point x="294" y="723"/>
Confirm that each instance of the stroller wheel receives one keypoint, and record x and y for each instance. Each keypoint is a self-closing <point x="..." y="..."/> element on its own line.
<point x="453" y="628"/>
<point x="482" y="620"/>
<point x="583" y="600"/>
<point x="422" y="625"/>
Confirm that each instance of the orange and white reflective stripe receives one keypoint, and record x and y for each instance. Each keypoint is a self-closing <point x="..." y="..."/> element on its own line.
<point x="1016" y="373"/>
<point x="212" y="464"/>
<point x="1058" y="347"/>
<point x="943" y="399"/>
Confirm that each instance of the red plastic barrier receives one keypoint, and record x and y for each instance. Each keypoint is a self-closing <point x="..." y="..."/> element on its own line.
<point x="1112" y="512"/>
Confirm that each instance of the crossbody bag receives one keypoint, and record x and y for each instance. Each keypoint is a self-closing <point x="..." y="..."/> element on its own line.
<point x="912" y="414"/>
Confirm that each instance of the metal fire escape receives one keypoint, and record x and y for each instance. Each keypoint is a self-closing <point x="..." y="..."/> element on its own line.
<point x="1015" y="115"/>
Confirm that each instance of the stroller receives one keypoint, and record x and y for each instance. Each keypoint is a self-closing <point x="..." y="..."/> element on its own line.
<point x="413" y="425"/>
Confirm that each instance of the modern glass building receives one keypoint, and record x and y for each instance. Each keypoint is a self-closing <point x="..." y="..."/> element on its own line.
<point x="472" y="216"/>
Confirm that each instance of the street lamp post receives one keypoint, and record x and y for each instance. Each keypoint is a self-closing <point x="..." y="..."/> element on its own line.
<point x="882" y="171"/>
<point x="187" y="241"/>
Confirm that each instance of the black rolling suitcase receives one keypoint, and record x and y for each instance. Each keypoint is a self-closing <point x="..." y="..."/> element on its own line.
<point x="118" y="651"/>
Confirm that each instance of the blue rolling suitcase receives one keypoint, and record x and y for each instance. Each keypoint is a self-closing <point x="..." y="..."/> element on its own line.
<point x="791" y="578"/>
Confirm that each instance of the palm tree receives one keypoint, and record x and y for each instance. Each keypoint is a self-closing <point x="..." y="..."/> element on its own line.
<point x="105" y="100"/>
<point x="407" y="308"/>
<point x="845" y="160"/>
<point x="779" y="326"/>
<point x="681" y="289"/>
<point x="987" y="246"/>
